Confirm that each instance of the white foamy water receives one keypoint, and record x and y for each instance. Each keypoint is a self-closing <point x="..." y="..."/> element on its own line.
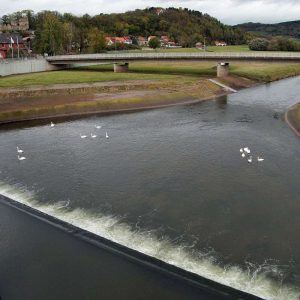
<point x="113" y="228"/>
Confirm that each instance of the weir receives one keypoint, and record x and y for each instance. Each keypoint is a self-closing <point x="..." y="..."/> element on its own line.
<point x="204" y="284"/>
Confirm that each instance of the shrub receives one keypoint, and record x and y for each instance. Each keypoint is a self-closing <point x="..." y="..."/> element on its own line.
<point x="259" y="44"/>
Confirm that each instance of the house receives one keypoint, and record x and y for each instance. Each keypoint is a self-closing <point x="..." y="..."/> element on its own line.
<point x="142" y="41"/>
<point x="120" y="40"/>
<point x="159" y="10"/>
<point x="10" y="41"/>
<point x="220" y="43"/>
<point x="151" y="37"/>
<point x="199" y="45"/>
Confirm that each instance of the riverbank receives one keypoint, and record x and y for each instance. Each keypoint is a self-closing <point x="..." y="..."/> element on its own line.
<point x="96" y="89"/>
<point x="71" y="100"/>
<point x="292" y="118"/>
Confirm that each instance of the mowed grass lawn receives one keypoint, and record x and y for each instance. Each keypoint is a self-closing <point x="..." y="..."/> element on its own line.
<point x="75" y="76"/>
<point x="182" y="71"/>
<point x="252" y="70"/>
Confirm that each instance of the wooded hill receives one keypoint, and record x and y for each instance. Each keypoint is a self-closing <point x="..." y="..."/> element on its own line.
<point x="183" y="26"/>
<point x="290" y="29"/>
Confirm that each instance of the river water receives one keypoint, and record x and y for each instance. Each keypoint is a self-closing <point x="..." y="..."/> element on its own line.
<point x="171" y="183"/>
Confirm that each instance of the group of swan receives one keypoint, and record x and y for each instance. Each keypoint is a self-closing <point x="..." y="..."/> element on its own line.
<point x="246" y="151"/>
<point x="83" y="136"/>
<point x="19" y="152"/>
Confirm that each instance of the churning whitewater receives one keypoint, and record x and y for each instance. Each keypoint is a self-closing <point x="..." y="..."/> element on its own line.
<point x="254" y="280"/>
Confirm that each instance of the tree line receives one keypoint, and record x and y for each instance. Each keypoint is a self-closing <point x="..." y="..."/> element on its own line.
<point x="57" y="33"/>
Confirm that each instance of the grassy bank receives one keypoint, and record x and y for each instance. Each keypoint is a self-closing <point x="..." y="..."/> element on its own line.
<point x="34" y="108"/>
<point x="71" y="76"/>
<point x="161" y="71"/>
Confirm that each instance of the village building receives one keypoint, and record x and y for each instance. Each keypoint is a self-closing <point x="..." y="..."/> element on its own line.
<point x="220" y="43"/>
<point x="199" y="45"/>
<point x="10" y="42"/>
<point x="121" y="40"/>
<point x="22" y="24"/>
<point x="151" y="37"/>
<point x="142" y="41"/>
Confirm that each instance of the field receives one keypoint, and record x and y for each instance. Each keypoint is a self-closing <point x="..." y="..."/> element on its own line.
<point x="162" y="71"/>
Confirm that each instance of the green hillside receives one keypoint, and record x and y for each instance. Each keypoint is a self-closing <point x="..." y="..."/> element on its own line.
<point x="289" y="29"/>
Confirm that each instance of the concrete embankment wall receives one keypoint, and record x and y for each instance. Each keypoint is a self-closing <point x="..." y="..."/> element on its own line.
<point x="11" y="67"/>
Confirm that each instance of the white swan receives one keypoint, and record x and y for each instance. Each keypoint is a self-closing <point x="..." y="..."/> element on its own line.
<point x="21" y="157"/>
<point x="93" y="136"/>
<point x="250" y="159"/>
<point x="243" y="155"/>
<point x="260" y="158"/>
<point x="83" y="136"/>
<point x="19" y="150"/>
<point x="247" y="150"/>
<point x="98" y="126"/>
<point x="52" y="124"/>
<point x="241" y="150"/>
<point x="106" y="135"/>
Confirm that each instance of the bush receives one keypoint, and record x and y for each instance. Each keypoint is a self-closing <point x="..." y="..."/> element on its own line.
<point x="283" y="44"/>
<point x="259" y="44"/>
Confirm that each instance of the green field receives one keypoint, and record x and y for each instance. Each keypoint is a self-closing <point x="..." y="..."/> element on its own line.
<point x="235" y="48"/>
<point x="153" y="71"/>
<point x="253" y="70"/>
<point x="74" y="76"/>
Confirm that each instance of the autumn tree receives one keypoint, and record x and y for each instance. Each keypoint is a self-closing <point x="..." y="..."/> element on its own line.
<point x="96" y="40"/>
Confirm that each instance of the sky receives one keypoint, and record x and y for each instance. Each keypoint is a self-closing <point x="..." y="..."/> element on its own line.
<point x="227" y="11"/>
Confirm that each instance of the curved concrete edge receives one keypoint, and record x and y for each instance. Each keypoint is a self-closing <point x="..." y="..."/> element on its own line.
<point x="288" y="121"/>
<point x="208" y="285"/>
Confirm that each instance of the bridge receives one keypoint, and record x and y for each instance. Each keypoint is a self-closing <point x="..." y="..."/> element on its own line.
<point x="121" y="60"/>
<point x="214" y="56"/>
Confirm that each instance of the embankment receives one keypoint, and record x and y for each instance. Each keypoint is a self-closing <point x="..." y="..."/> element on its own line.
<point x="71" y="100"/>
<point x="292" y="118"/>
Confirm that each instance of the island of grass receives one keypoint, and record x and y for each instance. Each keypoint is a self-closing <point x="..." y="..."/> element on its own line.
<point x="292" y="117"/>
<point x="97" y="89"/>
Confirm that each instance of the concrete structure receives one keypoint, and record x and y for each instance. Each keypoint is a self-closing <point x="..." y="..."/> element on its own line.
<point x="120" y="68"/>
<point x="11" y="67"/>
<point x="223" y="69"/>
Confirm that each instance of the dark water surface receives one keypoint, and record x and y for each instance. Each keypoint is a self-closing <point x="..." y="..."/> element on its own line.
<point x="171" y="183"/>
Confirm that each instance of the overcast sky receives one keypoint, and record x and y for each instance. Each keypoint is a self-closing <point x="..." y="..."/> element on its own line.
<point x="228" y="11"/>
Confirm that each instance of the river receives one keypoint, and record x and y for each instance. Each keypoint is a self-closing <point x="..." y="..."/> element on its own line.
<point x="171" y="183"/>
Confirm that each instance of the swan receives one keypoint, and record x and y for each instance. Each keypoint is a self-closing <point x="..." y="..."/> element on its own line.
<point x="247" y="150"/>
<point x="106" y="135"/>
<point x="260" y="158"/>
<point x="82" y="136"/>
<point x="93" y="136"/>
<point x="243" y="155"/>
<point x="250" y="159"/>
<point x="52" y="124"/>
<point x="21" y="157"/>
<point x="19" y="150"/>
<point x="98" y="126"/>
<point x="241" y="150"/>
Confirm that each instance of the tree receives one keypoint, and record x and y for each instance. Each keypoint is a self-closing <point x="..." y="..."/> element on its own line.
<point x="154" y="43"/>
<point x="259" y="44"/>
<point x="68" y="35"/>
<point x="50" y="37"/>
<point x="96" y="40"/>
